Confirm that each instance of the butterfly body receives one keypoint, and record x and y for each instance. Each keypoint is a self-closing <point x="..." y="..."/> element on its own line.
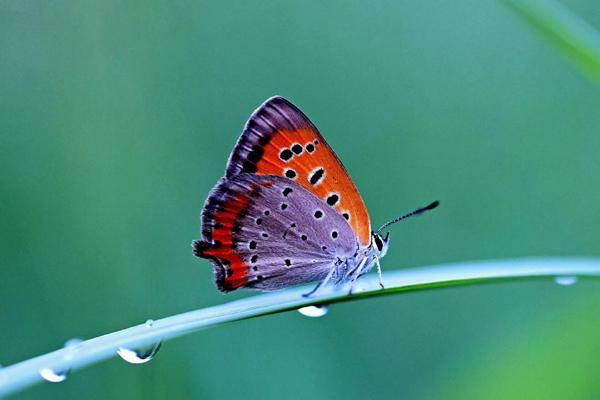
<point x="267" y="232"/>
<point x="286" y="212"/>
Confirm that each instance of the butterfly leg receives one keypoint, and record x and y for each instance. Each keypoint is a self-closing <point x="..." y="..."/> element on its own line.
<point x="323" y="282"/>
<point x="356" y="273"/>
<point x="379" y="272"/>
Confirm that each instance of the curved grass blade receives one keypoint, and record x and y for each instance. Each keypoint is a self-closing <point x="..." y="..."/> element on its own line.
<point x="576" y="38"/>
<point x="85" y="353"/>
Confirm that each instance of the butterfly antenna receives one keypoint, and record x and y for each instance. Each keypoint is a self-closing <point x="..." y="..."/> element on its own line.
<point x="410" y="214"/>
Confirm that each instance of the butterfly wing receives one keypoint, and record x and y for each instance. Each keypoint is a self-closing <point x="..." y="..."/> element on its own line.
<point x="279" y="139"/>
<point x="268" y="232"/>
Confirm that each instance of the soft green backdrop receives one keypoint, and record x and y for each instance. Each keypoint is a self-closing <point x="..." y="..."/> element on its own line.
<point x="116" y="118"/>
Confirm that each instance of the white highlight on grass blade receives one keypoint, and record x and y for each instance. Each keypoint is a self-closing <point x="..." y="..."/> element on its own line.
<point x="26" y="373"/>
<point x="314" y="311"/>
<point x="566" y="280"/>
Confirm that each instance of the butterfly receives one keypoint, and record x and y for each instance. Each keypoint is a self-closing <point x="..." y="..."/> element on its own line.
<point x="287" y="212"/>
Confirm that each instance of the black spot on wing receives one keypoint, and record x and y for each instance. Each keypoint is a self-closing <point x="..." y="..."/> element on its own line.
<point x="316" y="176"/>
<point x="256" y="154"/>
<point x="332" y="199"/>
<point x="249" y="167"/>
<point x="290" y="173"/>
<point x="285" y="154"/>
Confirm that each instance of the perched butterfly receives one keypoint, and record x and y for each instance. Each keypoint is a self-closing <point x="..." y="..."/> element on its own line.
<point x="286" y="211"/>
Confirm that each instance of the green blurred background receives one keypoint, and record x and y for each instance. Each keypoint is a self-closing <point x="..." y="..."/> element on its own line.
<point x="116" y="118"/>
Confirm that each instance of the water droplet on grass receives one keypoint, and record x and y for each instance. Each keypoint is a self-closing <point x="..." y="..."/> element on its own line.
<point x="566" y="280"/>
<point x="54" y="376"/>
<point x="140" y="355"/>
<point x="314" y="311"/>
<point x="71" y="347"/>
<point x="73" y="342"/>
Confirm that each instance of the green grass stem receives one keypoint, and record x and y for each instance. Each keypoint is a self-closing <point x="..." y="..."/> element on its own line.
<point x="26" y="373"/>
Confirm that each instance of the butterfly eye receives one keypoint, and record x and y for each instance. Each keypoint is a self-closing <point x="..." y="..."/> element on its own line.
<point x="378" y="242"/>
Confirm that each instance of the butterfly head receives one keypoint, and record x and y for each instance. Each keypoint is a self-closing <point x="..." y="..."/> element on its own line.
<point x="380" y="243"/>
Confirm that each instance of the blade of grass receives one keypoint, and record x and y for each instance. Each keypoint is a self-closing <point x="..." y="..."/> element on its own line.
<point x="572" y="35"/>
<point x="27" y="373"/>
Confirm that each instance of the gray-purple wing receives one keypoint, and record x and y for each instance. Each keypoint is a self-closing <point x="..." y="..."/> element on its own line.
<point x="268" y="232"/>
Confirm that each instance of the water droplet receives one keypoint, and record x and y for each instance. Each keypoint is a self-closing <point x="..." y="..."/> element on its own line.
<point x="57" y="376"/>
<point x="139" y="356"/>
<point x="71" y="348"/>
<point x="73" y="342"/>
<point x="54" y="376"/>
<point x="149" y="323"/>
<point x="566" y="280"/>
<point x="314" y="311"/>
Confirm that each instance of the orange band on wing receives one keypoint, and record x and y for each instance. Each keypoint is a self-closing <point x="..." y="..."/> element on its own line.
<point x="334" y="180"/>
<point x="237" y="274"/>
